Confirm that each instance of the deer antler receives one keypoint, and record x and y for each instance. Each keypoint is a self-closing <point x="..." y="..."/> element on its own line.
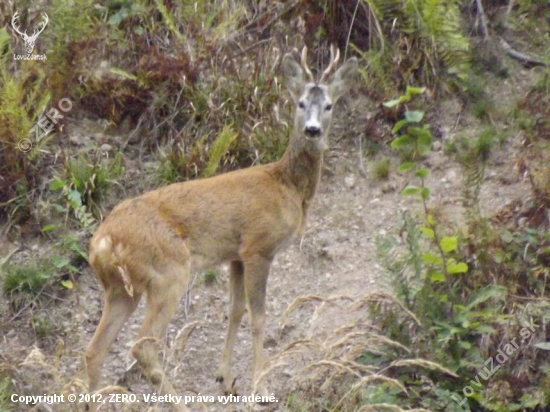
<point x="37" y="32"/>
<point x="305" y="66"/>
<point x="334" y="57"/>
<point x="14" y="24"/>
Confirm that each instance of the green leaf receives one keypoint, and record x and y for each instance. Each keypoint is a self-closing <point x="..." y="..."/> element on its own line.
<point x="60" y="262"/>
<point x="486" y="293"/>
<point x="401" y="141"/>
<point x="425" y="193"/>
<point x="453" y="268"/>
<point x="423" y="138"/>
<point x="75" y="199"/>
<point x="448" y="244"/>
<point x="464" y="344"/>
<point x="411" y="190"/>
<point x="406" y="166"/>
<point x="543" y="345"/>
<point x="414" y="116"/>
<point x="48" y="228"/>
<point x="116" y="18"/>
<point x="391" y="103"/>
<point x="424" y="133"/>
<point x="399" y="125"/>
<point x="395" y="102"/>
<point x="427" y="231"/>
<point x="437" y="277"/>
<point x="72" y="269"/>
<point x="506" y="236"/>
<point x="67" y="284"/>
<point x="422" y="173"/>
<point x="419" y="131"/>
<point x="432" y="259"/>
<point x="57" y="184"/>
<point x="411" y="91"/>
<point x="59" y="209"/>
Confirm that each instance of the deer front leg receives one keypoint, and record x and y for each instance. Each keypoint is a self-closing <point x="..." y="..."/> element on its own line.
<point x="236" y="312"/>
<point x="255" y="282"/>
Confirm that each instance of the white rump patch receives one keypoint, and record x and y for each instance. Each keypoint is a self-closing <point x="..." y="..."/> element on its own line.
<point x="104" y="244"/>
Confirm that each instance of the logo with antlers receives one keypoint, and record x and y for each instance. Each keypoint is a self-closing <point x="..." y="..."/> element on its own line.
<point x="29" y="40"/>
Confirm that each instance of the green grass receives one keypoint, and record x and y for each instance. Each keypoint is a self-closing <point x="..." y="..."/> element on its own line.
<point x="6" y="391"/>
<point x="381" y="169"/>
<point x="212" y="277"/>
<point x="24" y="283"/>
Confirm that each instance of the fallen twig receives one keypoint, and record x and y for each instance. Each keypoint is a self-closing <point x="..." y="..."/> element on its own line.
<point x="522" y="57"/>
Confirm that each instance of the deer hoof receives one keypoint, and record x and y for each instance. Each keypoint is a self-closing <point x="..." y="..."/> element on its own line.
<point x="227" y="390"/>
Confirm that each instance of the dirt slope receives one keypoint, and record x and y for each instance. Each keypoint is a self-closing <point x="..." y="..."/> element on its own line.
<point x="337" y="257"/>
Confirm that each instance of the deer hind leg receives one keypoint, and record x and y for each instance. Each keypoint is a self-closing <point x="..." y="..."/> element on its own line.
<point x="236" y="312"/>
<point x="164" y="293"/>
<point x="119" y="305"/>
<point x="255" y="283"/>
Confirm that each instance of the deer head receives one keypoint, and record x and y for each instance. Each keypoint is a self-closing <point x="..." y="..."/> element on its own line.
<point x="314" y="99"/>
<point x="29" y="40"/>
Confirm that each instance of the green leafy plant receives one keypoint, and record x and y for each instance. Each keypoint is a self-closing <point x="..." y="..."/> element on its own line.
<point x="220" y="146"/>
<point x="22" y="99"/>
<point x="433" y="276"/>
<point x="416" y="41"/>
<point x="23" y="284"/>
<point x="413" y="142"/>
<point x="415" y="139"/>
<point x="84" y="185"/>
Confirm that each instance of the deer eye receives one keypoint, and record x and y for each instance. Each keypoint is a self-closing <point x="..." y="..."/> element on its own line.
<point x="301" y="105"/>
<point x="328" y="107"/>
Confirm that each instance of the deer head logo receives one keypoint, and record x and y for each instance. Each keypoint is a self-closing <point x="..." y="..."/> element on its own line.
<point x="29" y="40"/>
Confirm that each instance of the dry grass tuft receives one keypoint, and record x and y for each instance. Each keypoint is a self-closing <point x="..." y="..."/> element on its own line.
<point x="373" y="338"/>
<point x="336" y="375"/>
<point x="140" y="342"/>
<point x="382" y="298"/>
<point x="351" y="327"/>
<point x="372" y="378"/>
<point x="182" y="337"/>
<point x="332" y="364"/>
<point x="423" y="364"/>
<point x="302" y="300"/>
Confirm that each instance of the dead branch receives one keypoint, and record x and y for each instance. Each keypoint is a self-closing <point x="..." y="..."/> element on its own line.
<point x="522" y="57"/>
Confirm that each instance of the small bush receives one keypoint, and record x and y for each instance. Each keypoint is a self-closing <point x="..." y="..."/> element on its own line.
<point x="22" y="99"/>
<point x="84" y="184"/>
<point x="23" y="284"/>
<point x="381" y="169"/>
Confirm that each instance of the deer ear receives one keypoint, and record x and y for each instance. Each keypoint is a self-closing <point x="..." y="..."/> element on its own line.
<point x="343" y="79"/>
<point x="294" y="76"/>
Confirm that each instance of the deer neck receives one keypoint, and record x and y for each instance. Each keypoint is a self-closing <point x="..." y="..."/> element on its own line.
<point x="301" y="168"/>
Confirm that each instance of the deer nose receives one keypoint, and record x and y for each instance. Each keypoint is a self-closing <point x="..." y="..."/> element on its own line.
<point x="313" y="131"/>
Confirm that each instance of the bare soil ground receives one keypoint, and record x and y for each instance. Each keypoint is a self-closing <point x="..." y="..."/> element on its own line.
<point x="337" y="256"/>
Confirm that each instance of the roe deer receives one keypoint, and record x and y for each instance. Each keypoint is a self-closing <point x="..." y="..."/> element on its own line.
<point x="152" y="242"/>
